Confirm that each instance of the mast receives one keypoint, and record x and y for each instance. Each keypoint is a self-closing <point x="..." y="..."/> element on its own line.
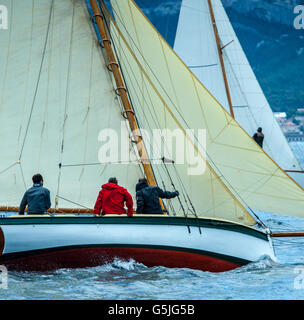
<point x="220" y="52"/>
<point x="122" y="91"/>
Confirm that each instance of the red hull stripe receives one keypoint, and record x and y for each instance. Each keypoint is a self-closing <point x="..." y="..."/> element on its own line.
<point x="90" y="256"/>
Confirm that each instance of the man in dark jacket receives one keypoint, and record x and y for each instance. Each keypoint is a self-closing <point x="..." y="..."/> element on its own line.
<point x="147" y="197"/>
<point x="37" y="198"/>
<point x="112" y="198"/>
<point x="258" y="137"/>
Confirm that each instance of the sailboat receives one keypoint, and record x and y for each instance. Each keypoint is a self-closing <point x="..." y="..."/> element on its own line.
<point x="208" y="44"/>
<point x="69" y="72"/>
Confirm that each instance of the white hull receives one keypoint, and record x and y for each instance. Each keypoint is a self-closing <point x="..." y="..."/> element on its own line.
<point x="220" y="246"/>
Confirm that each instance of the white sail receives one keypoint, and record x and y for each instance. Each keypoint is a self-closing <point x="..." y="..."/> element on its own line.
<point x="165" y="87"/>
<point x="195" y="43"/>
<point x="54" y="115"/>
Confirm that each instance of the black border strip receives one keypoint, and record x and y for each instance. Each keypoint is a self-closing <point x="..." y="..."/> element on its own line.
<point x="19" y="255"/>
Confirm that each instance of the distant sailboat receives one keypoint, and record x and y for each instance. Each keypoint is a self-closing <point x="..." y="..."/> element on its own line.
<point x="68" y="71"/>
<point x="207" y="43"/>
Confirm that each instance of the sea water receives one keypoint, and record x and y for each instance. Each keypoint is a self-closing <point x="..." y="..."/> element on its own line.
<point x="263" y="279"/>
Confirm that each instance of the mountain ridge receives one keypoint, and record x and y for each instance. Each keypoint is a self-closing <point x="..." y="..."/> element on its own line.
<point x="274" y="48"/>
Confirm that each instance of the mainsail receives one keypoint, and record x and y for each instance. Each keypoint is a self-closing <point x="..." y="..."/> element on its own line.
<point x="196" y="44"/>
<point x="180" y="100"/>
<point x="56" y="95"/>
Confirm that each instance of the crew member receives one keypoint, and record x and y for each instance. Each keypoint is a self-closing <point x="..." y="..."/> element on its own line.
<point x="258" y="137"/>
<point x="37" y="198"/>
<point x="112" y="198"/>
<point x="147" y="197"/>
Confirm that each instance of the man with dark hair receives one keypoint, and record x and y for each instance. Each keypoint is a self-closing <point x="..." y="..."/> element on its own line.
<point x="147" y="197"/>
<point x="37" y="198"/>
<point x="112" y="198"/>
<point x="258" y="137"/>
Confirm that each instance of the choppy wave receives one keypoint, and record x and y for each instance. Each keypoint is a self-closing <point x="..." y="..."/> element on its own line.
<point x="264" y="279"/>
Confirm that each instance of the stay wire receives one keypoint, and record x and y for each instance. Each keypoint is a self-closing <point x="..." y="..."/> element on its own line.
<point x="188" y="198"/>
<point x="123" y="76"/>
<point x="65" y="199"/>
<point x="171" y="206"/>
<point x="180" y="202"/>
<point x="9" y="167"/>
<point x="128" y="92"/>
<point x="169" y="200"/>
<point x="157" y="123"/>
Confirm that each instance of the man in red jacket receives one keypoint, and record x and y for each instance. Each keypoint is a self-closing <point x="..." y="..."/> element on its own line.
<point x="111" y="199"/>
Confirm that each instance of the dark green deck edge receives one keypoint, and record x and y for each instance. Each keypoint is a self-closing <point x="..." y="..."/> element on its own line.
<point x="177" y="221"/>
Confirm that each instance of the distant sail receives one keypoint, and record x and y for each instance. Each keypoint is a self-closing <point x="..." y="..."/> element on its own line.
<point x="75" y="100"/>
<point x="195" y="43"/>
<point x="166" y="88"/>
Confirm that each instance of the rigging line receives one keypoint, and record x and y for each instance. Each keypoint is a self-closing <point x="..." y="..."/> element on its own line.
<point x="143" y="113"/>
<point x="153" y="116"/>
<point x="101" y="163"/>
<point x="203" y="66"/>
<point x="157" y="168"/>
<point x="180" y="202"/>
<point x="72" y="202"/>
<point x="137" y="97"/>
<point x="123" y="77"/>
<point x="23" y="179"/>
<point x="85" y="121"/>
<point x="179" y="180"/>
<point x="178" y="110"/>
<point x="9" y="167"/>
<point x="167" y="173"/>
<point x="105" y="163"/>
<point x="185" y="190"/>
<point x="169" y="200"/>
<point x="156" y="121"/>
<point x="149" y="66"/>
<point x="187" y="203"/>
<point x="188" y="197"/>
<point x="245" y="98"/>
<point x="143" y="94"/>
<point x="66" y="99"/>
<point x="38" y="80"/>
<point x="135" y="89"/>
